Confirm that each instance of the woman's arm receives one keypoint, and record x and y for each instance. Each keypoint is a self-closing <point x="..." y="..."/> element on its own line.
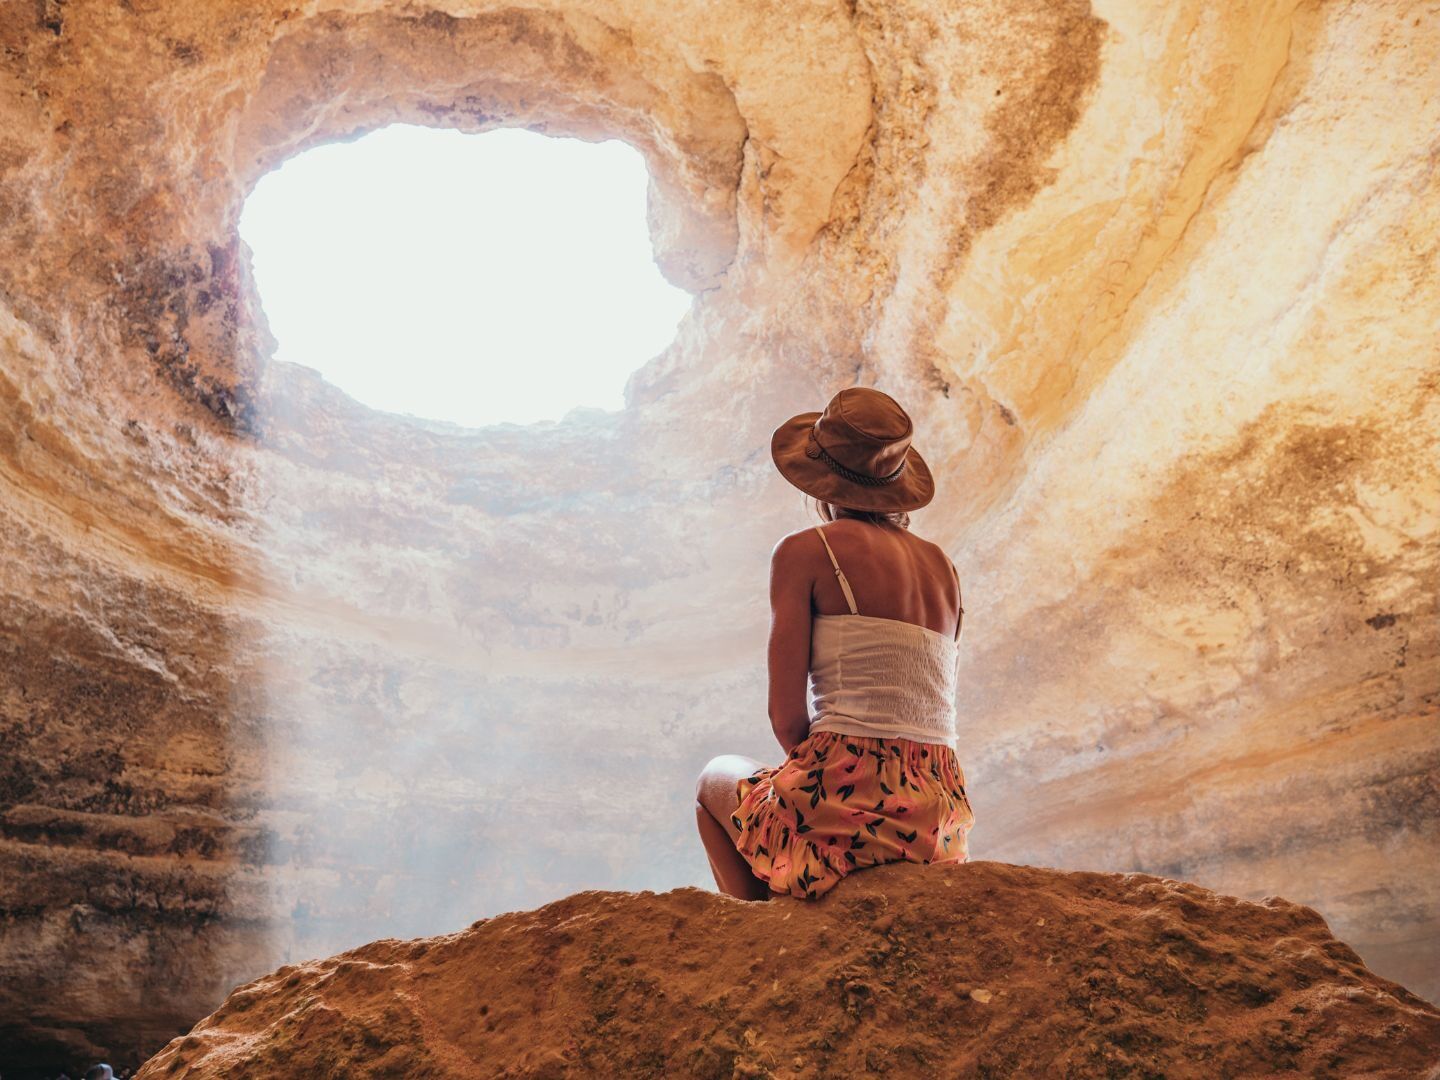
<point x="789" y="653"/>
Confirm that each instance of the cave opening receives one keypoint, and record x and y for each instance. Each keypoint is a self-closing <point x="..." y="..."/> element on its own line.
<point x="503" y="277"/>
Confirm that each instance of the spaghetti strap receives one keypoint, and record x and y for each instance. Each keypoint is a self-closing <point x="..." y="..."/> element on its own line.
<point x="959" y="600"/>
<point x="839" y="574"/>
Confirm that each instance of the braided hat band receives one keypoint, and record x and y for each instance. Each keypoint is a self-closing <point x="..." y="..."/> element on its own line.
<point x="815" y="450"/>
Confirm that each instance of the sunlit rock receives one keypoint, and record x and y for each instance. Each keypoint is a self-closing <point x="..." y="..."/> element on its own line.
<point x="280" y="674"/>
<point x="979" y="970"/>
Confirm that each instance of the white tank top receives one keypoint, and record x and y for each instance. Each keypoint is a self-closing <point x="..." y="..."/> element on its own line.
<point x="884" y="678"/>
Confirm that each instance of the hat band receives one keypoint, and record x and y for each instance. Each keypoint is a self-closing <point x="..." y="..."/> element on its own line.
<point x="848" y="473"/>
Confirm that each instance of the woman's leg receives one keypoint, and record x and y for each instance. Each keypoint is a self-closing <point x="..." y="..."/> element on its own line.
<point x="715" y="801"/>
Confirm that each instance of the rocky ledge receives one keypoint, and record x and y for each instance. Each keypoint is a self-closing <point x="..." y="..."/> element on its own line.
<point x="985" y="969"/>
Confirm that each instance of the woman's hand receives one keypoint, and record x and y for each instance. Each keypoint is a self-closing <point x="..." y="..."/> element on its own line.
<point x="791" y="586"/>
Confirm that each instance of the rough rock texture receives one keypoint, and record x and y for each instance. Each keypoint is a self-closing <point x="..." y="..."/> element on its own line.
<point x="279" y="674"/>
<point x="978" y="970"/>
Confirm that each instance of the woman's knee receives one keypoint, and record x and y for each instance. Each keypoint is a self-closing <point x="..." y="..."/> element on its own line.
<point x="706" y="782"/>
<point x="715" y="786"/>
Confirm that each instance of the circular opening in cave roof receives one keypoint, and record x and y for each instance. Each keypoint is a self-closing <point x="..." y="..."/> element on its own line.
<point x="478" y="279"/>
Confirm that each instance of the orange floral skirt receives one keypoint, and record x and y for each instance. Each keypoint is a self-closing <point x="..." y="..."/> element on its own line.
<point x="843" y="802"/>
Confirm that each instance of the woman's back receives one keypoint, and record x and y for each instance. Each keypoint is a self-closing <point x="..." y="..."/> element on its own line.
<point x="892" y="574"/>
<point x="886" y="675"/>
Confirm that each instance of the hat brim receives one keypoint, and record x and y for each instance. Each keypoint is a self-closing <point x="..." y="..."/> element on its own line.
<point x="914" y="488"/>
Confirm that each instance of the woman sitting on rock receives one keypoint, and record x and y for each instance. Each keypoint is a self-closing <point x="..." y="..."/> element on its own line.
<point x="870" y="614"/>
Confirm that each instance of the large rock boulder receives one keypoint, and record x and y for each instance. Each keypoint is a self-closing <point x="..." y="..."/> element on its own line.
<point x="984" y="969"/>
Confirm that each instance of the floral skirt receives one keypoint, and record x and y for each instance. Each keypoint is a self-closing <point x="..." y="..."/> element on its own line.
<point x="843" y="802"/>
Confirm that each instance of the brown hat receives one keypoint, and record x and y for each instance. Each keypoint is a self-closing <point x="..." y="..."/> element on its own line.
<point x="855" y="454"/>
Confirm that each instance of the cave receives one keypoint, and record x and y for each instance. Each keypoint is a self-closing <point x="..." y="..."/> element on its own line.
<point x="284" y="673"/>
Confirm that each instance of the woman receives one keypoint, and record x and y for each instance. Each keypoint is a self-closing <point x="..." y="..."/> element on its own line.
<point x="870" y="614"/>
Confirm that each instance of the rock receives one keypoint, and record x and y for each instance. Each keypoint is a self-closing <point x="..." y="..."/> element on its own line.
<point x="1131" y="976"/>
<point x="280" y="674"/>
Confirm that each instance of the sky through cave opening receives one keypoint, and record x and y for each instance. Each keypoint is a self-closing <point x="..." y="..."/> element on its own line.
<point x="477" y="279"/>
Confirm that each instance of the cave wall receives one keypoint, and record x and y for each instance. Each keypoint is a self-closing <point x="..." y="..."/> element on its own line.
<point x="282" y="674"/>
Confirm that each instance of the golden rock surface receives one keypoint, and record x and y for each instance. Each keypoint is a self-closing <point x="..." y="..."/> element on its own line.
<point x="280" y="674"/>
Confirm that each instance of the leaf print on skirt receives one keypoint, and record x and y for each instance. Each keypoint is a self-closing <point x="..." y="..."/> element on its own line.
<point x="840" y="803"/>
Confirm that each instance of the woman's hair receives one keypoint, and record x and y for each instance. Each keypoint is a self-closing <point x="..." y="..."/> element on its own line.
<point x="895" y="519"/>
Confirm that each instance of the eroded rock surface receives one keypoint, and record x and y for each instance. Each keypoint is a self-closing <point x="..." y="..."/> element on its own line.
<point x="280" y="675"/>
<point x="977" y="970"/>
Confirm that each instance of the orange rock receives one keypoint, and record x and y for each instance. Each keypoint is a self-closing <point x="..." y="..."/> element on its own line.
<point x="1152" y="977"/>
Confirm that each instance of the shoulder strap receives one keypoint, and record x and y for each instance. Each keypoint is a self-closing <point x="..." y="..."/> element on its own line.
<point x="839" y="574"/>
<point x="959" y="599"/>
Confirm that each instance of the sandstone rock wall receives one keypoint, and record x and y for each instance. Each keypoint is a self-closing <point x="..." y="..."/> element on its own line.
<point x="281" y="674"/>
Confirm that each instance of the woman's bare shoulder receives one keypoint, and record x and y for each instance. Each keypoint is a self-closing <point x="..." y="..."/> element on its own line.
<point x="929" y="545"/>
<point x="799" y="544"/>
<point x="933" y="551"/>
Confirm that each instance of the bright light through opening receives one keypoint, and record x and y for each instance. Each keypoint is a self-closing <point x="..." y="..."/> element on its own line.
<point x="472" y="278"/>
